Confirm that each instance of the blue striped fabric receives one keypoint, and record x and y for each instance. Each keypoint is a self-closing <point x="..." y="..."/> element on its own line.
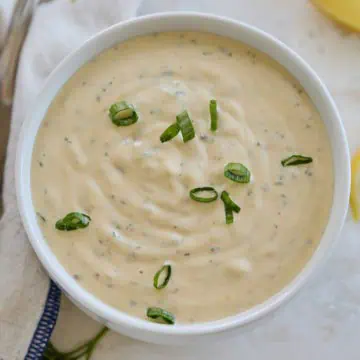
<point x="46" y="324"/>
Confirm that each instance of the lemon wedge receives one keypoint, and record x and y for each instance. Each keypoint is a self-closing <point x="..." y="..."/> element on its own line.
<point x="355" y="186"/>
<point x="346" y="12"/>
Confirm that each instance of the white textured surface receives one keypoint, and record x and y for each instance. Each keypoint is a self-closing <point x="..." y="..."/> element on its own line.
<point x="323" y="322"/>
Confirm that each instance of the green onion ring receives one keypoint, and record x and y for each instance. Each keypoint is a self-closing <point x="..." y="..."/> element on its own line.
<point x="213" y="115"/>
<point x="186" y="126"/>
<point x="207" y="199"/>
<point x="229" y="206"/>
<point x="167" y="270"/>
<point x="123" y="114"/>
<point x="73" y="221"/>
<point x="170" y="133"/>
<point x="237" y="172"/>
<point x="160" y="315"/>
<point x="296" y="160"/>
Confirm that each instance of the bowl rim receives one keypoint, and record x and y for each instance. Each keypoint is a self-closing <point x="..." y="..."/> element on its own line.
<point x="107" y="313"/>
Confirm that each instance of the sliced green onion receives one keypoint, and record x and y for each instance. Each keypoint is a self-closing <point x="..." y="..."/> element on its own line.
<point x="229" y="216"/>
<point x="225" y="197"/>
<point x="186" y="126"/>
<point x="296" y="160"/>
<point x="73" y="221"/>
<point x="204" y="194"/>
<point x="166" y="269"/>
<point x="170" y="133"/>
<point x="123" y="114"/>
<point x="213" y="115"/>
<point x="229" y="206"/>
<point x="237" y="172"/>
<point x="160" y="315"/>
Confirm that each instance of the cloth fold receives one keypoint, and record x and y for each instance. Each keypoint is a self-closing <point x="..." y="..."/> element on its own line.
<point x="58" y="27"/>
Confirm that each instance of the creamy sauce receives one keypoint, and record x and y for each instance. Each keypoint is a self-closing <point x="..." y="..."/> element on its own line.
<point x="136" y="189"/>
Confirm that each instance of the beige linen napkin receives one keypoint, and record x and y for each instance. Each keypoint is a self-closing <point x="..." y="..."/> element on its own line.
<point x="58" y="28"/>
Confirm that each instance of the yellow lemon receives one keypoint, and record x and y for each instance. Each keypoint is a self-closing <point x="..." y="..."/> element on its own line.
<point x="355" y="185"/>
<point x="346" y="12"/>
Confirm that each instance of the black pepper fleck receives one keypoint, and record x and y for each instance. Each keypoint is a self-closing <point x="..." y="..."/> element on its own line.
<point x="278" y="183"/>
<point x="265" y="187"/>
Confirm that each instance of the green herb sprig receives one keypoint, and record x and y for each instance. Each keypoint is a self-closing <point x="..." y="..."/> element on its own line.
<point x="83" y="351"/>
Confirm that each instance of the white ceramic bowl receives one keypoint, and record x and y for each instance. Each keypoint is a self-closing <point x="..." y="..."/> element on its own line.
<point x="115" y="319"/>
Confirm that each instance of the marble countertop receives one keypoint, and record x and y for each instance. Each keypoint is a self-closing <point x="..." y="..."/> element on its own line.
<point x="323" y="321"/>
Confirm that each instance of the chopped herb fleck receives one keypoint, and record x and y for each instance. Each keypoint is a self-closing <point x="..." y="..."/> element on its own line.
<point x="43" y="219"/>
<point x="167" y="73"/>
